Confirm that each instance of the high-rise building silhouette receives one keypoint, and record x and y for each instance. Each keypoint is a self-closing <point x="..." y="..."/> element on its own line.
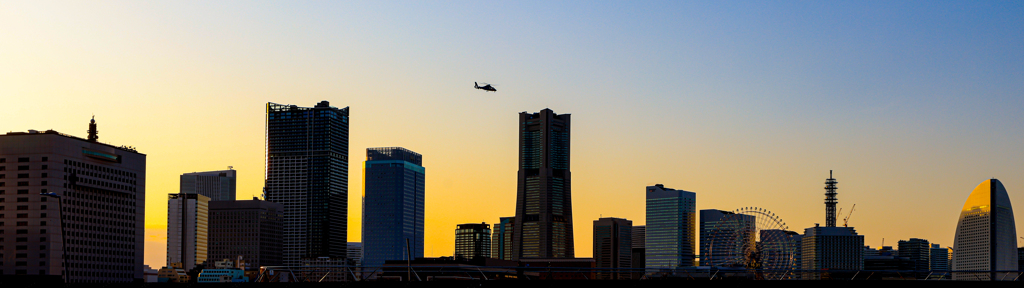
<point x="392" y="205"/>
<point x="307" y="172"/>
<point x="725" y="237"/>
<point x="473" y="240"/>
<point x="638" y="250"/>
<point x="918" y="252"/>
<point x="939" y="258"/>
<point x="671" y="234"/>
<point x="543" y="225"/>
<point x="251" y="229"/>
<point x="188" y="222"/>
<point x="838" y="249"/>
<point x="501" y="239"/>
<point x="613" y="245"/>
<point x="218" y="185"/>
<point x="985" y="239"/>
<point x="92" y="216"/>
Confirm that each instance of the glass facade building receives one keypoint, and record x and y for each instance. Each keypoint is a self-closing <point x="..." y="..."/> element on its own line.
<point x="613" y="247"/>
<point x="543" y="199"/>
<point x="501" y="241"/>
<point x="307" y="172"/>
<point x="986" y="236"/>
<point x="473" y="240"/>
<point x="218" y="185"/>
<point x="392" y="205"/>
<point x="725" y="237"/>
<point x="671" y="228"/>
<point x="831" y="248"/>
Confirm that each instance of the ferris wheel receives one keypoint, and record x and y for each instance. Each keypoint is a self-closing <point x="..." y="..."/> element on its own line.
<point x="751" y="238"/>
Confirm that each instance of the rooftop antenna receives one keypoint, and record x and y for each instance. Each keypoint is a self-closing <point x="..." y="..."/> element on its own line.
<point x="830" y="200"/>
<point x="92" y="129"/>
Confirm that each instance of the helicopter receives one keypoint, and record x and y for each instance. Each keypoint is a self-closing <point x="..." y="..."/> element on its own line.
<point x="486" y="87"/>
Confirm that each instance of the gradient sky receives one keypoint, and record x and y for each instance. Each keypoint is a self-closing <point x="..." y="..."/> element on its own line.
<point x="912" y="104"/>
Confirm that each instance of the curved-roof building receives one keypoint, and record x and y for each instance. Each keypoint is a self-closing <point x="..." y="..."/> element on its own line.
<point x="985" y="235"/>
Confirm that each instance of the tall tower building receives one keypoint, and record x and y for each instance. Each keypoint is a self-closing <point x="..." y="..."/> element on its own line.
<point x="724" y="237"/>
<point x="830" y="200"/>
<point x="986" y="236"/>
<point x="218" y="185"/>
<point x="831" y="248"/>
<point x="613" y="245"/>
<point x="259" y="224"/>
<point x="501" y="241"/>
<point x="392" y="205"/>
<point x="473" y="240"/>
<point x="917" y="251"/>
<point x="307" y="172"/>
<point x="543" y="222"/>
<point x="188" y="222"/>
<point x="671" y="234"/>
<point x="71" y="207"/>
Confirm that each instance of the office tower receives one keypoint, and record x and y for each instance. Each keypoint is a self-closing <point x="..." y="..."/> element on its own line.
<point x="307" y="172"/>
<point x="188" y="220"/>
<point x="838" y="249"/>
<point x="986" y="236"/>
<point x="473" y="240"/>
<point x="638" y="251"/>
<point x="830" y="200"/>
<point x="917" y="251"/>
<point x="355" y="254"/>
<point x="392" y="205"/>
<point x="939" y="258"/>
<point x="97" y="193"/>
<point x="725" y="237"/>
<point x="543" y="198"/>
<point x="250" y="229"/>
<point x="501" y="242"/>
<point x="613" y="247"/>
<point x="218" y="185"/>
<point x="671" y="228"/>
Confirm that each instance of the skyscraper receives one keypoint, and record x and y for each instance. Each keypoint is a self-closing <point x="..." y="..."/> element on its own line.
<point x="247" y="228"/>
<point x="218" y="185"/>
<point x="501" y="241"/>
<point x="543" y="225"/>
<point x="188" y="222"/>
<point x="985" y="234"/>
<point x="91" y="227"/>
<point x="638" y="250"/>
<point x="831" y="248"/>
<point x="917" y="251"/>
<point x="307" y="172"/>
<point x="671" y="228"/>
<point x="394" y="180"/>
<point x="613" y="245"/>
<point x="725" y="237"/>
<point x="473" y="240"/>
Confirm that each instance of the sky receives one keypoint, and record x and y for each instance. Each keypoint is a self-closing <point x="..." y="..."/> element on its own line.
<point x="747" y="103"/>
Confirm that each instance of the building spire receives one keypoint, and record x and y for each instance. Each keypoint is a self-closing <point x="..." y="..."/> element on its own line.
<point x="92" y="130"/>
<point x="830" y="200"/>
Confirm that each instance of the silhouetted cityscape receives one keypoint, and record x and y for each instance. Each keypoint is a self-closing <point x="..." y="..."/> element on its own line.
<point x="73" y="209"/>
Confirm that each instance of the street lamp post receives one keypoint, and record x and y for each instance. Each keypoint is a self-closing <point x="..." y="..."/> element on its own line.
<point x="63" y="238"/>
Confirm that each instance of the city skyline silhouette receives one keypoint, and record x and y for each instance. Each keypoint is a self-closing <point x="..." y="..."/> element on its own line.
<point x="911" y="104"/>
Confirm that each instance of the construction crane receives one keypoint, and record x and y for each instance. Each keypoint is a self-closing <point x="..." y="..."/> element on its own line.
<point x="848" y="215"/>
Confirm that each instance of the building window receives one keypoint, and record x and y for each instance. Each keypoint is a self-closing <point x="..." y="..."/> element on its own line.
<point x="23" y="159"/>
